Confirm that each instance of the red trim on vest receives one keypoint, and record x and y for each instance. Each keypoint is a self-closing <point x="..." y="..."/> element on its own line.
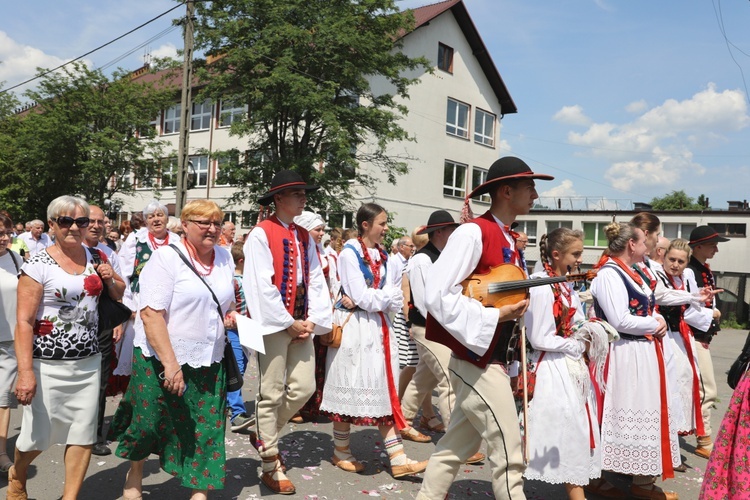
<point x="276" y="233"/>
<point x="493" y="243"/>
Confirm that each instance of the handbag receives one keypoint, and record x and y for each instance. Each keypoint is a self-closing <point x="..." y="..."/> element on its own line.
<point x="333" y="338"/>
<point x="231" y="368"/>
<point x="740" y="365"/>
<point x="111" y="312"/>
<point x="530" y="379"/>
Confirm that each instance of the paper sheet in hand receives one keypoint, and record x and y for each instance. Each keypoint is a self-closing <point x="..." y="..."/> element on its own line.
<point x="251" y="333"/>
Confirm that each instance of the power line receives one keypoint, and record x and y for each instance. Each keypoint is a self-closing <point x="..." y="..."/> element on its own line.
<point x="720" y="20"/>
<point x="91" y="51"/>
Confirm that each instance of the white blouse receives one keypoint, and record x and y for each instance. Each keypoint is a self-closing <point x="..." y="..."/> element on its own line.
<point x="390" y="298"/>
<point x="8" y="287"/>
<point x="196" y="330"/>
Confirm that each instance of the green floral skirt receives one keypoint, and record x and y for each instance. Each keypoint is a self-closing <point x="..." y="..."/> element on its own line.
<point x="187" y="432"/>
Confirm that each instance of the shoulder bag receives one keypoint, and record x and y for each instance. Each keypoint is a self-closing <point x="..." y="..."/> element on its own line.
<point x="111" y="312"/>
<point x="232" y="369"/>
<point x="740" y="365"/>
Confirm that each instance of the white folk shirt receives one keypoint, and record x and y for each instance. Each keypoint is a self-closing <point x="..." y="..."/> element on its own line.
<point x="701" y="317"/>
<point x="263" y="298"/>
<point x="417" y="270"/>
<point x="386" y="299"/>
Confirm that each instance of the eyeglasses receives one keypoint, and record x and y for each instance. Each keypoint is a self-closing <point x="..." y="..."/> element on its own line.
<point x="66" y="222"/>
<point x="205" y="224"/>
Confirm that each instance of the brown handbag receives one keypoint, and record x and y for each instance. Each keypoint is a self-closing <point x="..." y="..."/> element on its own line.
<point x="333" y="338"/>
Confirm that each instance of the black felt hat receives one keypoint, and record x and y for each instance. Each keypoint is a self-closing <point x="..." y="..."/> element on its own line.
<point x="506" y="168"/>
<point x="438" y="219"/>
<point x="705" y="234"/>
<point x="285" y="179"/>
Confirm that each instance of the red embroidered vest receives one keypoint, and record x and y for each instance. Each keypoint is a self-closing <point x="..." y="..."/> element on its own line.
<point x="495" y="251"/>
<point x="284" y="253"/>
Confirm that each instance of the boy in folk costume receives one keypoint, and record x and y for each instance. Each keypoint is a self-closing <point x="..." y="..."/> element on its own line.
<point x="285" y="290"/>
<point x="704" y="242"/>
<point x="479" y="336"/>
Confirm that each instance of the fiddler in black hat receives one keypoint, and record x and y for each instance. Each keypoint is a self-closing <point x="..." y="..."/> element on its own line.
<point x="438" y="220"/>
<point x="285" y="179"/>
<point x="504" y="169"/>
<point x="705" y="234"/>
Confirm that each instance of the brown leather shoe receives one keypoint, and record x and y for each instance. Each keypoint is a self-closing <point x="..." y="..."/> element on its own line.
<point x="414" y="435"/>
<point x="651" y="492"/>
<point x="282" y="486"/>
<point x="475" y="458"/>
<point x="424" y="423"/>
<point x="297" y="419"/>
<point x="350" y="465"/>
<point x="16" y="490"/>
<point x="603" y="488"/>
<point x="408" y="469"/>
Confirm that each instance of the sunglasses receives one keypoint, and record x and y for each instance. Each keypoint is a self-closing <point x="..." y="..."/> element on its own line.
<point x="66" y="222"/>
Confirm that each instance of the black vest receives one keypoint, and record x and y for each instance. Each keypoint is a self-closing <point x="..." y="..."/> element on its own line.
<point x="672" y="314"/>
<point x="415" y="317"/>
<point x="703" y="277"/>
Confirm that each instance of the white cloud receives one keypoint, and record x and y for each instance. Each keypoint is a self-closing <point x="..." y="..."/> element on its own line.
<point x="637" y="107"/>
<point x="656" y="148"/>
<point x="166" y="50"/>
<point x="565" y="188"/>
<point x="505" y="147"/>
<point x="19" y="62"/>
<point x="572" y="115"/>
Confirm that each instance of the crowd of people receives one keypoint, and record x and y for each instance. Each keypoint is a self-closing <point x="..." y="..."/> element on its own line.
<point x="363" y="337"/>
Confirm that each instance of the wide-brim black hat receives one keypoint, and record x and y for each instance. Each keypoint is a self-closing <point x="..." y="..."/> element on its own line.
<point x="285" y="179"/>
<point x="438" y="220"/>
<point x="507" y="168"/>
<point x="705" y="234"/>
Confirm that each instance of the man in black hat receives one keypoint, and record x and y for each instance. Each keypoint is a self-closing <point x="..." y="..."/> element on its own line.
<point x="286" y="292"/>
<point x="479" y="336"/>
<point x="704" y="242"/>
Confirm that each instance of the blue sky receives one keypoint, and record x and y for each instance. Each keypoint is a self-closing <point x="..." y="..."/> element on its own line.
<point x="619" y="100"/>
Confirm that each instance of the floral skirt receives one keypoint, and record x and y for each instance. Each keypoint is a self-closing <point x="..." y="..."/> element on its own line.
<point x="187" y="432"/>
<point x="728" y="471"/>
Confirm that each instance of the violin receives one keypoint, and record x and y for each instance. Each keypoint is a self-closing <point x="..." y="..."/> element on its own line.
<point x="507" y="284"/>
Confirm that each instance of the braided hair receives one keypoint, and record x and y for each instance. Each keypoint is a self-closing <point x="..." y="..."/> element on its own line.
<point x="559" y="239"/>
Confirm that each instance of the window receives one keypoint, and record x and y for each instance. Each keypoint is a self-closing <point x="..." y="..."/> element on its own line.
<point x="457" y="119"/>
<point x="528" y="227"/>
<point x="484" y="128"/>
<point x="224" y="162"/>
<point x="454" y="179"/>
<point x="200" y="166"/>
<point x="729" y="230"/>
<point x="172" y="120"/>
<point x="593" y="234"/>
<point x="169" y="173"/>
<point x="445" y="58"/>
<point x="230" y="112"/>
<point x="200" y="115"/>
<point x="554" y="224"/>
<point x="342" y="220"/>
<point x="672" y="231"/>
<point x="249" y="218"/>
<point x="479" y="177"/>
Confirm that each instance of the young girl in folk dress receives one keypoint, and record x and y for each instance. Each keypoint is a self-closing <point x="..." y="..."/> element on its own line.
<point x="563" y="438"/>
<point x="361" y="375"/>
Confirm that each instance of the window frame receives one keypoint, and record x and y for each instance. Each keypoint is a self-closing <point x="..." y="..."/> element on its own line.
<point x="557" y="224"/>
<point x="481" y="137"/>
<point x="523" y="227"/>
<point x="198" y="172"/>
<point x="482" y="198"/>
<point x="231" y="114"/>
<point x="457" y="129"/>
<point x="600" y="237"/>
<point x="445" y="57"/>
<point x="683" y="229"/>
<point x="172" y="116"/>
<point x="452" y="191"/>
<point x="204" y="117"/>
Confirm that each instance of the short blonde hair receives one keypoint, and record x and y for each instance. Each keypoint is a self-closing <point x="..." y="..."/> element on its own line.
<point x="63" y="205"/>
<point x="201" y="208"/>
<point x="682" y="245"/>
<point x="419" y="240"/>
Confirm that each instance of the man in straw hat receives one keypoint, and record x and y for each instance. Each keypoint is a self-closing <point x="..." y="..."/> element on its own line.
<point x="479" y="336"/>
<point x="286" y="291"/>
<point x="704" y="242"/>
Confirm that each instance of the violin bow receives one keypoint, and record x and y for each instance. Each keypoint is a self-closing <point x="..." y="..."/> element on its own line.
<point x="525" y="386"/>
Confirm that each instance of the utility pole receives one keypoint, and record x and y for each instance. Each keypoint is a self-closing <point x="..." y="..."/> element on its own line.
<point x="185" y="105"/>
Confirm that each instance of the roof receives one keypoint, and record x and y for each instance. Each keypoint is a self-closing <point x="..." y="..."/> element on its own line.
<point x="423" y="16"/>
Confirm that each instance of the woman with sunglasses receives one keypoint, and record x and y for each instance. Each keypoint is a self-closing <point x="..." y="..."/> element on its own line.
<point x="57" y="348"/>
<point x="134" y="254"/>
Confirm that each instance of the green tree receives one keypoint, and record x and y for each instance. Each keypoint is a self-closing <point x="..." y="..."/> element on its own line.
<point x="84" y="136"/>
<point x="304" y="67"/>
<point x="676" y="200"/>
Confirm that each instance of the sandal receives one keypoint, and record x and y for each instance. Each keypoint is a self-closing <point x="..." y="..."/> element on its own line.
<point x="433" y="424"/>
<point x="7" y="465"/>
<point x="603" y="488"/>
<point x="348" y="463"/>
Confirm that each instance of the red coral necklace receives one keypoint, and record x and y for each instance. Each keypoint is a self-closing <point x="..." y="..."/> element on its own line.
<point x="193" y="254"/>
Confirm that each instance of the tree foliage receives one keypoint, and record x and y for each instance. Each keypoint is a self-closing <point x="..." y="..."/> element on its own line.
<point x="305" y="68"/>
<point x="678" y="200"/>
<point x="83" y="136"/>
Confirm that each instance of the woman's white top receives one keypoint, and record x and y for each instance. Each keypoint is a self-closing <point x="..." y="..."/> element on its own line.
<point x="387" y="299"/>
<point x="126" y="257"/>
<point x="8" y="287"/>
<point x="196" y="330"/>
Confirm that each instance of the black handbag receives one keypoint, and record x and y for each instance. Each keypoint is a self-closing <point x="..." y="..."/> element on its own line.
<point x="231" y="368"/>
<point x="740" y="365"/>
<point x="111" y="312"/>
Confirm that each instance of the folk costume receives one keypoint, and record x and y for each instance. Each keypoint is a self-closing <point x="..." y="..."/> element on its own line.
<point x="637" y="436"/>
<point x="563" y="442"/>
<point x="407" y="348"/>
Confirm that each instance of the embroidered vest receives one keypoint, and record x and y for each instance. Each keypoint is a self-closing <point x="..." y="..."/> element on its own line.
<point x="284" y="253"/>
<point x="638" y="303"/>
<point x="415" y="316"/>
<point x="495" y="251"/>
<point x="704" y="277"/>
<point x="672" y="314"/>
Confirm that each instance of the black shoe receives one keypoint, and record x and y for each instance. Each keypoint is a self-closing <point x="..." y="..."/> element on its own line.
<point x="241" y="422"/>
<point x="101" y="450"/>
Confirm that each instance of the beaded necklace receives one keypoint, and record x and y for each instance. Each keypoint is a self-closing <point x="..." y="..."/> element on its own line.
<point x="154" y="243"/>
<point x="193" y="254"/>
<point x="562" y="313"/>
<point x="374" y="266"/>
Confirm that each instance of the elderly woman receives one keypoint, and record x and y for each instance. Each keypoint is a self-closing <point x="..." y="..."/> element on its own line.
<point x="134" y="253"/>
<point x="57" y="348"/>
<point x="176" y="400"/>
<point x="10" y="263"/>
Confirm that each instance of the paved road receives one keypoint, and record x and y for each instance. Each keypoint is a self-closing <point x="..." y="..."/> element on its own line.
<point x="308" y="449"/>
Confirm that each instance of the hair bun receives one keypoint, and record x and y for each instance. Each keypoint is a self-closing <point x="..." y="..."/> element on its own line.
<point x="612" y="231"/>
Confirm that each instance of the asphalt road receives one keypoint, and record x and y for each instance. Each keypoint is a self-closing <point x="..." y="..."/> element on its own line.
<point x="308" y="448"/>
